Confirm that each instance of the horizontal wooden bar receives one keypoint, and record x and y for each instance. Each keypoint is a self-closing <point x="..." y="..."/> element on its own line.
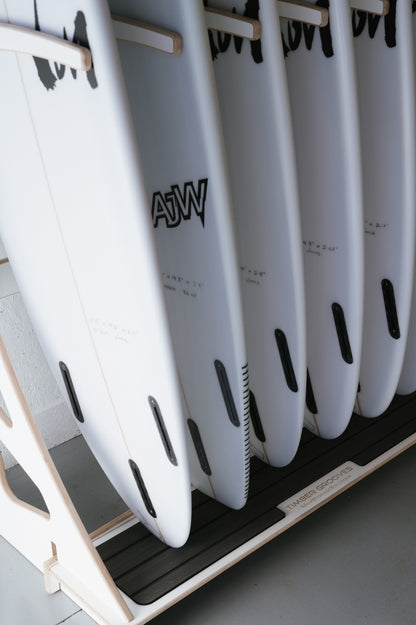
<point x="378" y="7"/>
<point x="147" y="35"/>
<point x="303" y="12"/>
<point x="44" y="46"/>
<point x="233" y="24"/>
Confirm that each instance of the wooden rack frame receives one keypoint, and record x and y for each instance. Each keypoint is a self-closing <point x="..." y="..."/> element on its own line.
<point x="70" y="559"/>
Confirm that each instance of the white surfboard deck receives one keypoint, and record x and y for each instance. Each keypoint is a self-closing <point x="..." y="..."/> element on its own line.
<point x="177" y="125"/>
<point x="321" y="80"/>
<point x="407" y="380"/>
<point x="255" y="111"/>
<point x="384" y="55"/>
<point x="75" y="222"/>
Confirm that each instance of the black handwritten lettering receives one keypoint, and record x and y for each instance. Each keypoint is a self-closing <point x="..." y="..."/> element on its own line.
<point x="224" y="41"/>
<point x="360" y="20"/>
<point x="325" y="32"/>
<point x="238" y="41"/>
<point x="44" y="71"/>
<point x="219" y="43"/>
<point x="60" y="70"/>
<point x="295" y="32"/>
<point x="373" y="22"/>
<point x="252" y="11"/>
<point x="177" y="206"/>
<point x="390" y="25"/>
<point x="213" y="47"/>
<point x="80" y="37"/>
<point x="308" y="33"/>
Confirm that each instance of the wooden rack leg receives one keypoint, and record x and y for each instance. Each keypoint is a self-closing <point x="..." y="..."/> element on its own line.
<point x="55" y="542"/>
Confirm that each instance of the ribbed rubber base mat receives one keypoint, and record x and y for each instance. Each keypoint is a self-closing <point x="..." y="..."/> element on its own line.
<point x="145" y="569"/>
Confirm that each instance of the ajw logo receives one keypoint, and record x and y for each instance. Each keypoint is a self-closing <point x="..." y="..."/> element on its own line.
<point x="176" y="206"/>
<point x="45" y="73"/>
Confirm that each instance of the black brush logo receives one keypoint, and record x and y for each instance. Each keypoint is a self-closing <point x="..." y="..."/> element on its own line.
<point x="79" y="37"/>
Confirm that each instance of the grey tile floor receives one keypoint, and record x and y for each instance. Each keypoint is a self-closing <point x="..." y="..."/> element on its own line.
<point x="353" y="562"/>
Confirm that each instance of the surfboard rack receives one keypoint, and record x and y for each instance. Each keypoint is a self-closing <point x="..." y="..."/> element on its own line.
<point x="42" y="45"/>
<point x="313" y="15"/>
<point x="120" y="573"/>
<point x="29" y="41"/>
<point x="146" y="35"/>
<point x="219" y="20"/>
<point x="232" y="23"/>
<point x="303" y="12"/>
<point x="170" y="42"/>
<point x="167" y="41"/>
<point x="378" y="7"/>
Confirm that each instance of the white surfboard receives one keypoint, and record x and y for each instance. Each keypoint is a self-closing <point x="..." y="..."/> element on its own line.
<point x="177" y="126"/>
<point x="384" y="55"/>
<point x="251" y="82"/>
<point x="320" y="69"/>
<point x="407" y="380"/>
<point x="75" y="223"/>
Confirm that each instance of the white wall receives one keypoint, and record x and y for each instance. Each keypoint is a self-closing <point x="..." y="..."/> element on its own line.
<point x="52" y="415"/>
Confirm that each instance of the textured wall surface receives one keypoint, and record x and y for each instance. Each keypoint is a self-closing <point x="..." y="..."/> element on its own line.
<point x="52" y="415"/>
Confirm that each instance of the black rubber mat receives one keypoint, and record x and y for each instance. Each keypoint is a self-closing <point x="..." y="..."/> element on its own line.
<point x="145" y="569"/>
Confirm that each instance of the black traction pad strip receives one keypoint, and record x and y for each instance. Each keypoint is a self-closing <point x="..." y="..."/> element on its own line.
<point x="146" y="569"/>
